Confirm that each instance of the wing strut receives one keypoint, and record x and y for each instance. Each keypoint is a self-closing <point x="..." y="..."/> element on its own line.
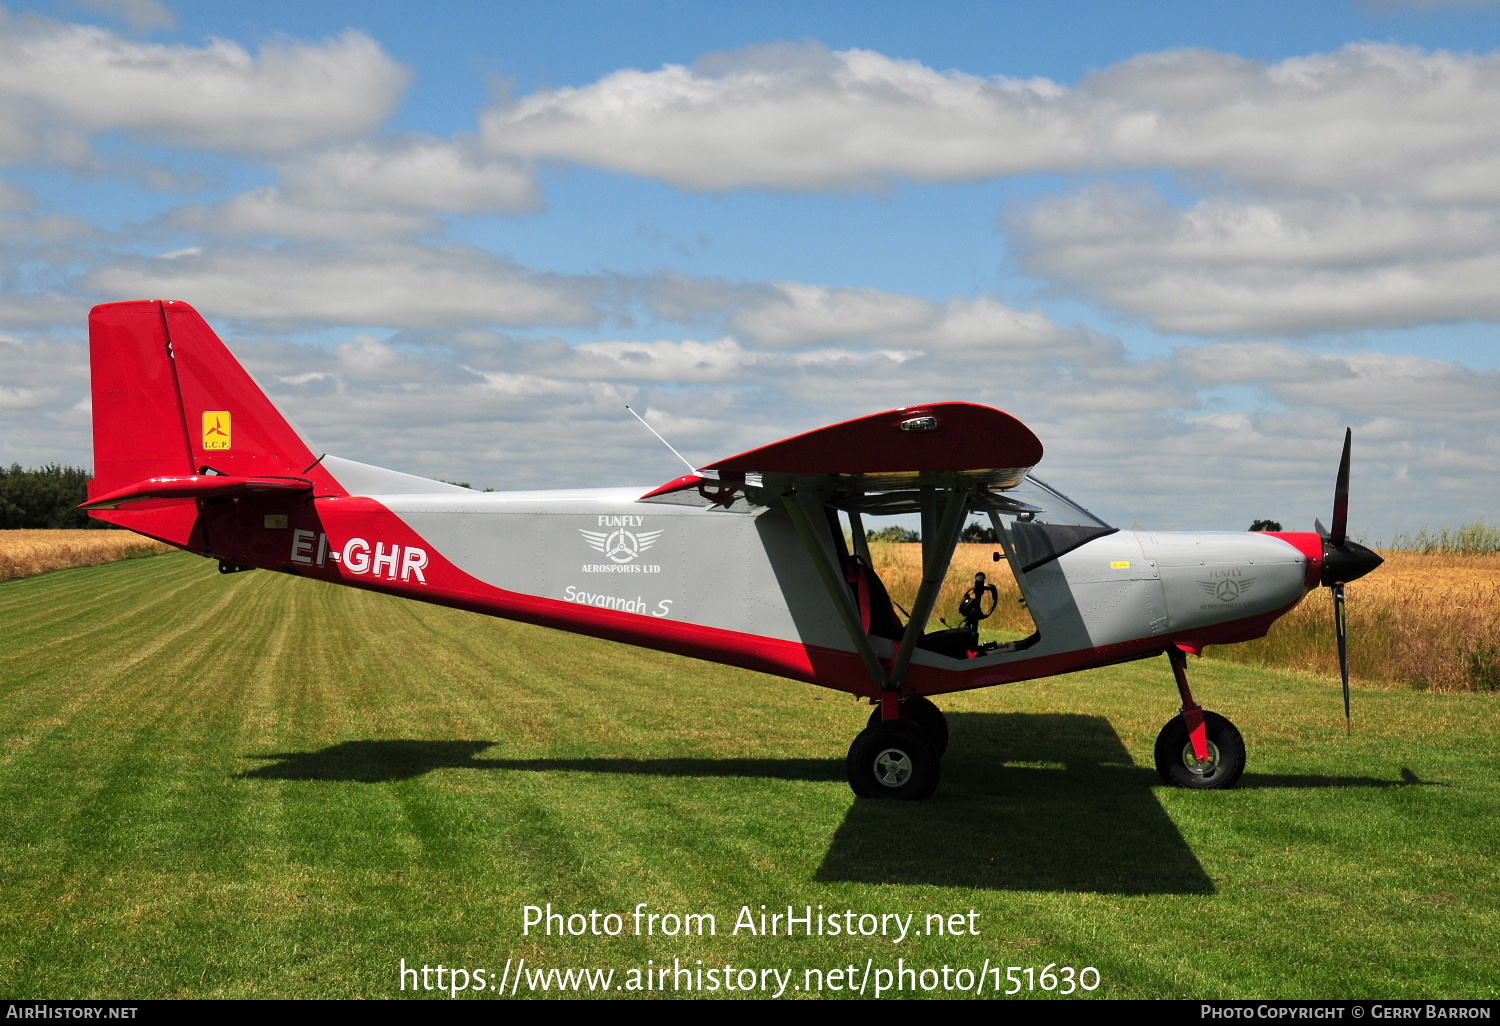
<point x="838" y="590"/>
<point x="939" y="539"/>
<point x="857" y="532"/>
<point x="943" y="513"/>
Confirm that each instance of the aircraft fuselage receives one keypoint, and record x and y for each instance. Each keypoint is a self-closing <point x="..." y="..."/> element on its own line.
<point x="737" y="586"/>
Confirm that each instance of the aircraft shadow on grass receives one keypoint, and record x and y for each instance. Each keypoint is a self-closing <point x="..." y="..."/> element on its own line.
<point x="1029" y="802"/>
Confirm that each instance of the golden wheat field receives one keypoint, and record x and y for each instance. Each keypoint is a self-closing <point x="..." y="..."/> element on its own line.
<point x="1429" y="621"/>
<point x="1425" y="621"/>
<point x="23" y="552"/>
<point x="899" y="565"/>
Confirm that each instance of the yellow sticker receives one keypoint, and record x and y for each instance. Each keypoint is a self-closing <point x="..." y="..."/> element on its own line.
<point x="216" y="429"/>
<point x="1120" y="564"/>
<point x="275" y="520"/>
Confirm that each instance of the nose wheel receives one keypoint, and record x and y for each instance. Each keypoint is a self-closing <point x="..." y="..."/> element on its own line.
<point x="1180" y="766"/>
<point x="1200" y="750"/>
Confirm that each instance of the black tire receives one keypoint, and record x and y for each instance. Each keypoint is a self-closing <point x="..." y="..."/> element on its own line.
<point x="1177" y="766"/>
<point x="925" y="715"/>
<point x="894" y="760"/>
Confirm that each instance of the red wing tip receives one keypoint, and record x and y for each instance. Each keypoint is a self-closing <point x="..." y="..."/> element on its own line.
<point x="677" y="484"/>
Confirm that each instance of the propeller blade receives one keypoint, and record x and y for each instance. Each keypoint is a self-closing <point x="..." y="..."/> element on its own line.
<point x="1318" y="526"/>
<point x="1339" y="533"/>
<point x="1341" y="628"/>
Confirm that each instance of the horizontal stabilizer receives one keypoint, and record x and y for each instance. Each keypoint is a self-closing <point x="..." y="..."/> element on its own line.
<point x="197" y="486"/>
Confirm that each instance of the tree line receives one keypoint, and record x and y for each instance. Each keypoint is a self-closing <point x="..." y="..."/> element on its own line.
<point x="895" y="533"/>
<point x="44" y="497"/>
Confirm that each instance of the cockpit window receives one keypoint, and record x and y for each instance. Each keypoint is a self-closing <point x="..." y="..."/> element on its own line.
<point x="1056" y="508"/>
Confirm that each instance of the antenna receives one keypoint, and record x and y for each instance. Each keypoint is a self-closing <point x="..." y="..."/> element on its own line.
<point x="663" y="441"/>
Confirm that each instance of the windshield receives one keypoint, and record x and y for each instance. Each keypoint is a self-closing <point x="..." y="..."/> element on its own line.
<point x="1056" y="508"/>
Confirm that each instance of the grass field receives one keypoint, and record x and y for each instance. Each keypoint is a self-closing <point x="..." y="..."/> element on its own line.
<point x="252" y="785"/>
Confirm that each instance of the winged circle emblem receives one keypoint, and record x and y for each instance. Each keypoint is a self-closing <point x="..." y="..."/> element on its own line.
<point x="1228" y="589"/>
<point x="620" y="546"/>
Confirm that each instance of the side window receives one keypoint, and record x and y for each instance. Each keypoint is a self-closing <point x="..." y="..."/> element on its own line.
<point x="899" y="566"/>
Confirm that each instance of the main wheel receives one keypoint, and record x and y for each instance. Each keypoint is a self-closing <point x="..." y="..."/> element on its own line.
<point x="1178" y="765"/>
<point x="894" y="760"/>
<point x="925" y="715"/>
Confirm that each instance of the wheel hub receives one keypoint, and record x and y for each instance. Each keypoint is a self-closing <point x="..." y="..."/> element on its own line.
<point x="893" y="767"/>
<point x="1201" y="769"/>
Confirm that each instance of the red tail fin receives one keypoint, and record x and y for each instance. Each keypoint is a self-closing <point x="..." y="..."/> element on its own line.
<point x="170" y="400"/>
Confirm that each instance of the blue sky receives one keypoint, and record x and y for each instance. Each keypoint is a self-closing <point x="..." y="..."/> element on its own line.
<point x="1186" y="242"/>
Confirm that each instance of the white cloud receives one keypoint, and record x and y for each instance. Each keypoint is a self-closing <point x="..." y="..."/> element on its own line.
<point x="691" y="299"/>
<point x="1146" y="440"/>
<point x="14" y="198"/>
<point x="793" y="315"/>
<point x="413" y="173"/>
<point x="1358" y="188"/>
<point x="41" y="385"/>
<point x="1279" y="247"/>
<point x="1367" y="116"/>
<point x="370" y="191"/>
<point x="22" y="310"/>
<point x="789" y="116"/>
<point x="1286" y="266"/>
<point x="686" y="361"/>
<point x="38" y="230"/>
<point x="264" y="213"/>
<point x="1381" y="384"/>
<point x="390" y="285"/>
<point x="1258" y="363"/>
<point x="1370" y="384"/>
<point x="1142" y="439"/>
<point x="790" y="315"/>
<point x="60" y="83"/>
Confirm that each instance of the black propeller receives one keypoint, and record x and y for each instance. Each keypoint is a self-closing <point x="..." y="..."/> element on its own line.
<point x="1343" y="561"/>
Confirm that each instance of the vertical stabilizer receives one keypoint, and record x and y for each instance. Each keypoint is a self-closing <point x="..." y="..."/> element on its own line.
<point x="139" y="431"/>
<point x="170" y="400"/>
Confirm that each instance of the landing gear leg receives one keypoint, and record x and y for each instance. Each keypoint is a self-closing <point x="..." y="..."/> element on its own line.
<point x="1192" y="712"/>
<point x="924" y="714"/>
<point x="1199" y="749"/>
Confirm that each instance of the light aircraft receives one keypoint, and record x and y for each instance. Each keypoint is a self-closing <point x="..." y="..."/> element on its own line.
<point x="743" y="562"/>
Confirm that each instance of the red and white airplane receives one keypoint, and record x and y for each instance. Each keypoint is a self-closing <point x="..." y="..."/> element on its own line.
<point x="744" y="562"/>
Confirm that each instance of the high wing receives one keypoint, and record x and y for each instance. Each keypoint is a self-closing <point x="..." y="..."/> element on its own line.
<point x="942" y="460"/>
<point x="876" y="464"/>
